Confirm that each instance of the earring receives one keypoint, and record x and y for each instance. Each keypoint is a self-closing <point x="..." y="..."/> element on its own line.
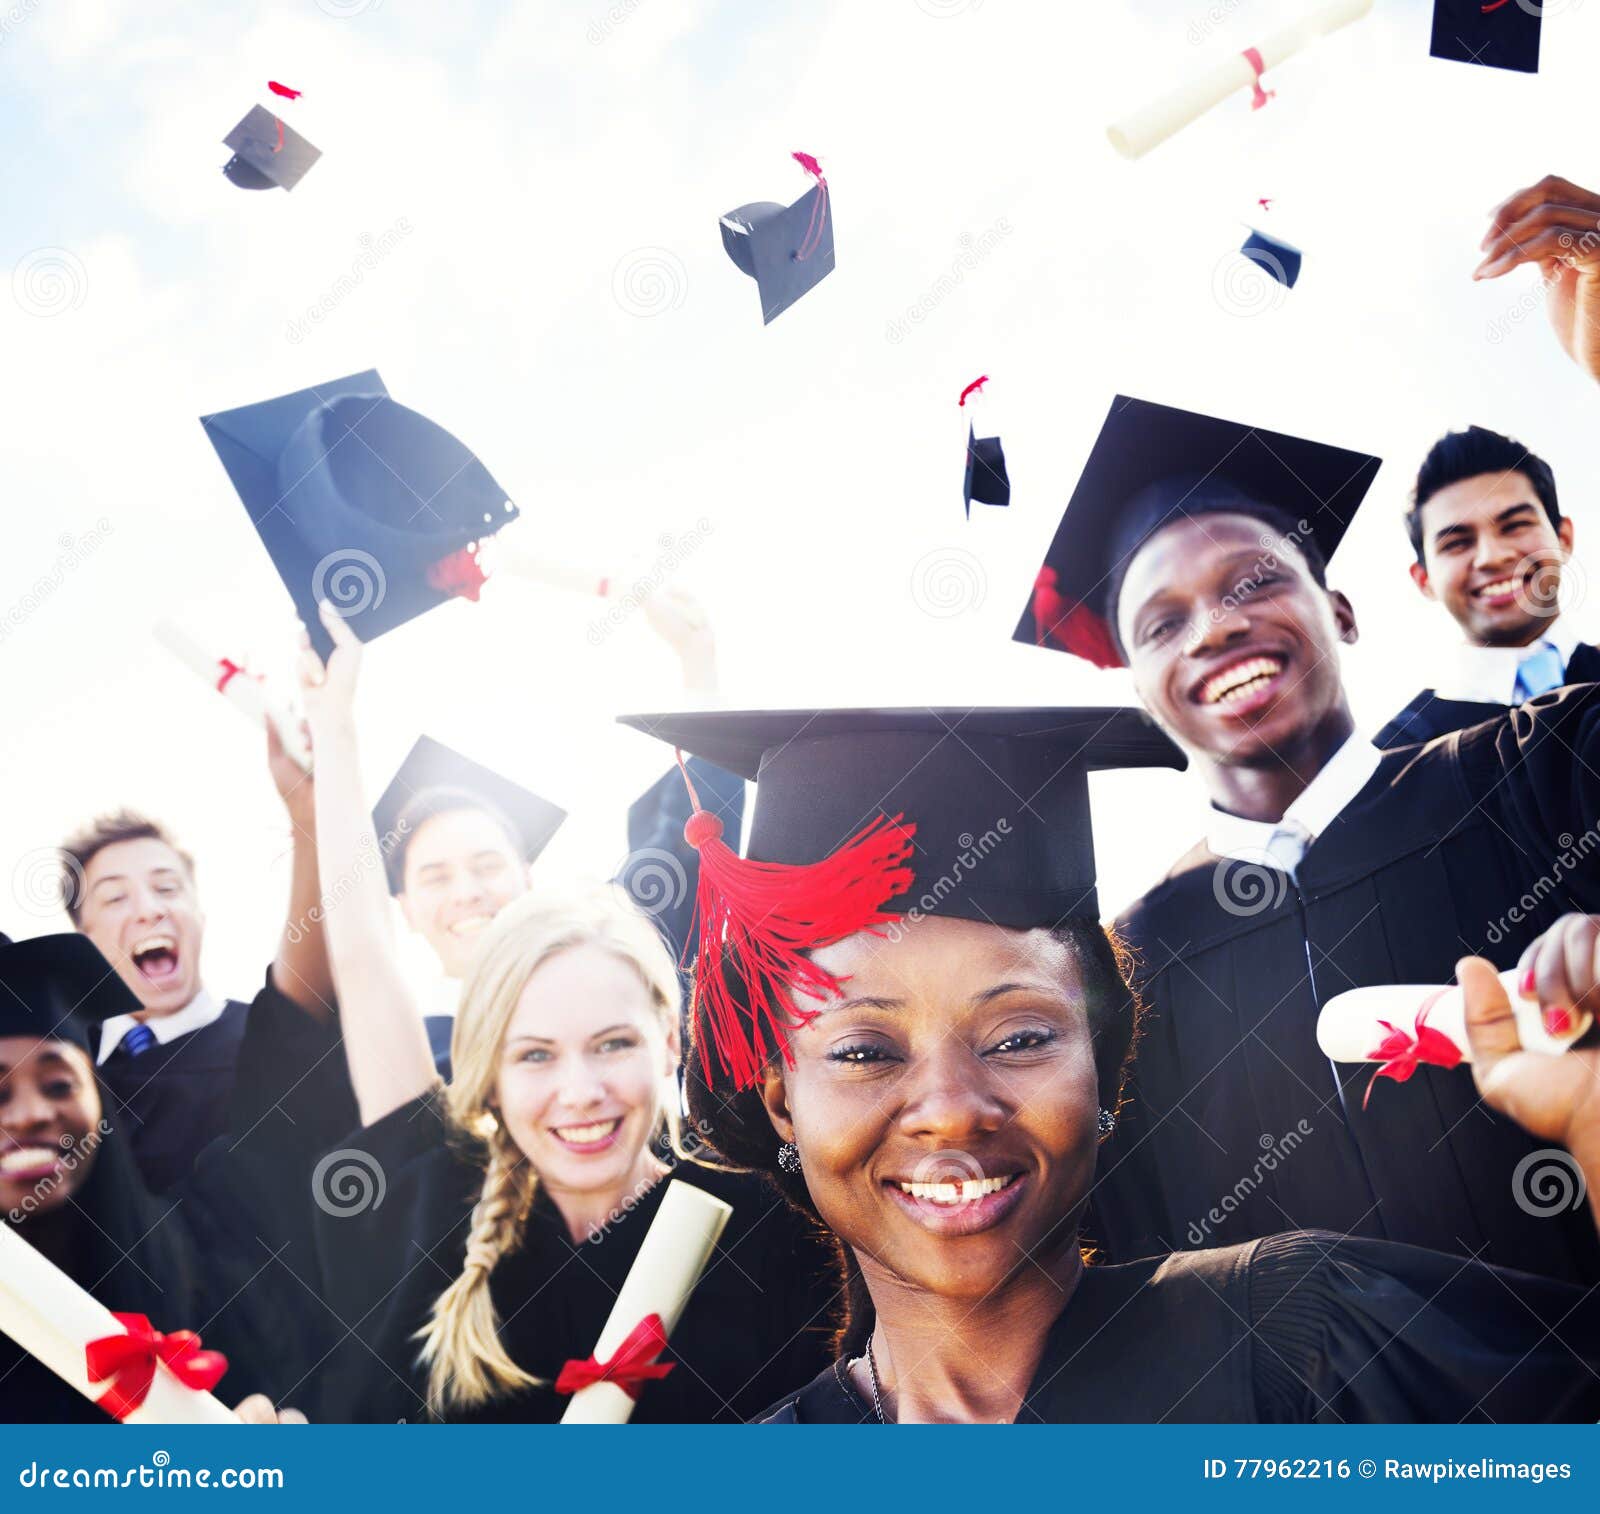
<point x="1107" y="1123"/>
<point x="789" y="1158"/>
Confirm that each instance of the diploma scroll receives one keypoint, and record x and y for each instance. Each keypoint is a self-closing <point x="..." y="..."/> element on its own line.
<point x="241" y="689"/>
<point x="663" y="1276"/>
<point x="1135" y="135"/>
<point x="46" y="1313"/>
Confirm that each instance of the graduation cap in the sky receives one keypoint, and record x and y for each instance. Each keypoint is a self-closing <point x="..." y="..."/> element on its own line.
<point x="1152" y="465"/>
<point x="360" y="501"/>
<point x="864" y="816"/>
<point x="1494" y="34"/>
<point x="57" y="988"/>
<point x="1275" y="257"/>
<point x="985" y="479"/>
<point x="267" y="153"/>
<point x="786" y="249"/>
<point x="434" y="780"/>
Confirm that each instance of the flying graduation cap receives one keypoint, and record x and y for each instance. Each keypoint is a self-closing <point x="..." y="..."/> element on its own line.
<point x="434" y="780"/>
<point x="986" y="479"/>
<point x="787" y="250"/>
<point x="267" y="154"/>
<point x="360" y="501"/>
<point x="1153" y="465"/>
<point x="864" y="816"/>
<point x="1491" y="33"/>
<point x="1276" y="258"/>
<point x="58" y="988"/>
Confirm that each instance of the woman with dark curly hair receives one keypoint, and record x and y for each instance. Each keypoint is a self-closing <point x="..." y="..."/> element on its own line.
<point x="908" y="1016"/>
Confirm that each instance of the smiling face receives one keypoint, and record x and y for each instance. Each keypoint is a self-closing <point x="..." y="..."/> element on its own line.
<point x="49" y="1105"/>
<point x="140" y="908"/>
<point x="461" y="870"/>
<point x="1232" y="643"/>
<point x="1492" y="558"/>
<point x="584" y="1071"/>
<point x="945" y="1107"/>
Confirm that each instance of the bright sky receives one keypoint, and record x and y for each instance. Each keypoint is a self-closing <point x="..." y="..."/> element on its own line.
<point x="547" y="179"/>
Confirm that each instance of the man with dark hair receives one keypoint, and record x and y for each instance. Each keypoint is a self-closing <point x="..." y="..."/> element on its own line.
<point x="168" y="1068"/>
<point x="1491" y="545"/>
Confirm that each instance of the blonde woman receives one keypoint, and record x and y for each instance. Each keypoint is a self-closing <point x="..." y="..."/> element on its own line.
<point x="495" y="1218"/>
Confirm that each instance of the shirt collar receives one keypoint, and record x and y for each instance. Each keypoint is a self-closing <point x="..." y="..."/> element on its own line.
<point x="1339" y="780"/>
<point x="1488" y="675"/>
<point x="199" y="1012"/>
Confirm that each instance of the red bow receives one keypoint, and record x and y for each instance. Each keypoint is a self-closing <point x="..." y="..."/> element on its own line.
<point x="460" y="573"/>
<point x="1252" y="56"/>
<point x="283" y="89"/>
<point x="129" y="1362"/>
<point x="631" y="1366"/>
<point x="1402" y="1052"/>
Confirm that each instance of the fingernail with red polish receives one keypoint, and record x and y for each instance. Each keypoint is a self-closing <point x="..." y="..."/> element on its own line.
<point x="1525" y="988"/>
<point x="1558" y="1021"/>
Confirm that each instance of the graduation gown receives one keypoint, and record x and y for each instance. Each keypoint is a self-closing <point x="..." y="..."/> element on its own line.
<point x="172" y="1099"/>
<point x="759" y="1320"/>
<point x="1428" y="715"/>
<point x="1239" y="1127"/>
<point x="229" y="1250"/>
<point x="1304" y="1327"/>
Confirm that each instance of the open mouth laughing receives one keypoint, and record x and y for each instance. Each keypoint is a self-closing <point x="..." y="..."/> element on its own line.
<point x="1243" y="685"/>
<point x="156" y="957"/>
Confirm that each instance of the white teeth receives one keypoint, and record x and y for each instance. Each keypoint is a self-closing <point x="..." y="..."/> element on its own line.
<point x="1242" y="678"/>
<point x="584" y="1135"/>
<point x="154" y="944"/>
<point x="27" y="1159"/>
<point x="1498" y="589"/>
<point x="956" y="1193"/>
<point x="472" y="926"/>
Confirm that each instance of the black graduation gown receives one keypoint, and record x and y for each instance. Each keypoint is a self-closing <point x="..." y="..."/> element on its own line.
<point x="1238" y="1127"/>
<point x="759" y="1320"/>
<point x="1428" y="715"/>
<point x="172" y="1099"/>
<point x="229" y="1251"/>
<point x="1305" y="1327"/>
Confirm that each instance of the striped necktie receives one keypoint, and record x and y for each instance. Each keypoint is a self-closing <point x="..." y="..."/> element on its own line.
<point x="136" y="1040"/>
<point x="1539" y="672"/>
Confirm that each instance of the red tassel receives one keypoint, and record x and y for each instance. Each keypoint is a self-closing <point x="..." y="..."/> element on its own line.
<point x="810" y="164"/>
<point x="819" y="211"/>
<point x="1252" y="56"/>
<point x="283" y="89"/>
<point x="1494" y="6"/>
<point x="279" y="147"/>
<point x="757" y="920"/>
<point x="973" y="388"/>
<point x="1071" y="626"/>
<point x="461" y="574"/>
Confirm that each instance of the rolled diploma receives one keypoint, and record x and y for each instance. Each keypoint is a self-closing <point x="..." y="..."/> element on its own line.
<point x="1135" y="135"/>
<point x="1348" y="1028"/>
<point x="674" y="1254"/>
<point x="510" y="553"/>
<point x="53" y="1320"/>
<point x="244" y="692"/>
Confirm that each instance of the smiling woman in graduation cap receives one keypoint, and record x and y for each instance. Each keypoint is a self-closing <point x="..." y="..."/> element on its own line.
<point x="919" y="1029"/>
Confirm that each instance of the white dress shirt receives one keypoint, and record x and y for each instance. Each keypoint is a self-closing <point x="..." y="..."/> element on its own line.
<point x="198" y="1013"/>
<point x="1488" y="675"/>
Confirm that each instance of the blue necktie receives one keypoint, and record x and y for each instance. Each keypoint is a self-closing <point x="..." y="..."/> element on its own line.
<point x="137" y="1040"/>
<point x="1540" y="673"/>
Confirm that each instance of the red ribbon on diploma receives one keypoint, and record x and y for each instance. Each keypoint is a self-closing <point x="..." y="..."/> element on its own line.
<point x="633" y="1364"/>
<point x="1252" y="56"/>
<point x="460" y="574"/>
<point x="1403" y="1052"/>
<point x="129" y="1362"/>
<point x="230" y="671"/>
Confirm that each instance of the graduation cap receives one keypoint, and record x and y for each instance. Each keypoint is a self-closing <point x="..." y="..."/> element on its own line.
<point x="267" y="154"/>
<point x="786" y="249"/>
<point x="863" y="816"/>
<point x="1277" y="258"/>
<point x="56" y="988"/>
<point x="360" y="501"/>
<point x="986" y="479"/>
<point x="1496" y="34"/>
<point x="1152" y="465"/>
<point x="434" y="780"/>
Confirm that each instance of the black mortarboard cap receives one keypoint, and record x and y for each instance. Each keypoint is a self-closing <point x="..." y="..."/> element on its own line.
<point x="1152" y="465"/>
<point x="449" y="781"/>
<point x="1277" y="258"/>
<point x="360" y="501"/>
<point x="999" y="797"/>
<point x="786" y="249"/>
<point x="986" y="479"/>
<point x="56" y="988"/>
<point x="1503" y="35"/>
<point x="267" y="153"/>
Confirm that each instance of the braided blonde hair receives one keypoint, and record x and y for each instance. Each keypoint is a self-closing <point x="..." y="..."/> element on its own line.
<point x="461" y="1347"/>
